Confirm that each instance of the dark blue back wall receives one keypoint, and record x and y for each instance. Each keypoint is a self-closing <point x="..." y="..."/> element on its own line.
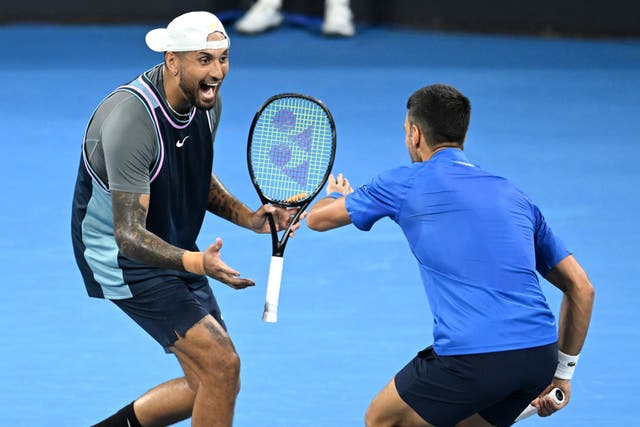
<point x="588" y="18"/>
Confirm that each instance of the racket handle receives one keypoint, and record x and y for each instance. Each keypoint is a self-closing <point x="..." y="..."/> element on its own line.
<point x="273" y="290"/>
<point x="556" y="394"/>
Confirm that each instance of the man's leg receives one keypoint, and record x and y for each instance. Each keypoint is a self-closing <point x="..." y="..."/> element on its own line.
<point x="163" y="405"/>
<point x="474" y="421"/>
<point x="167" y="403"/>
<point x="212" y="367"/>
<point x="389" y="410"/>
<point x="185" y="320"/>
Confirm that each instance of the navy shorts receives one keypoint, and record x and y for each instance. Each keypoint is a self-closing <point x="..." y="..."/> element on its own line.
<point x="169" y="306"/>
<point x="445" y="390"/>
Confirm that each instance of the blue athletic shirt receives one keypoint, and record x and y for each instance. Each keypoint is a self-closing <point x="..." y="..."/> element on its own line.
<point x="478" y="241"/>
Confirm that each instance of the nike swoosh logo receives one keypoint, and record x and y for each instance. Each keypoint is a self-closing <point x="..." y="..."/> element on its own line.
<point x="181" y="142"/>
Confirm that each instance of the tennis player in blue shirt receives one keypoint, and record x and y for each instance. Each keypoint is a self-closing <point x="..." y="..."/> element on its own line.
<point x="479" y="242"/>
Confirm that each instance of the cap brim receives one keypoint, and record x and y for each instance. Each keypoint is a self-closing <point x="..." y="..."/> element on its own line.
<point x="157" y="39"/>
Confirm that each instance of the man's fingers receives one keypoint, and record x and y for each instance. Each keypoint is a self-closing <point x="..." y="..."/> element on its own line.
<point x="243" y="283"/>
<point x="296" y="197"/>
<point x="238" y="283"/>
<point x="225" y="269"/>
<point x="547" y="405"/>
<point x="215" y="247"/>
<point x="269" y="209"/>
<point x="338" y="183"/>
<point x="232" y="278"/>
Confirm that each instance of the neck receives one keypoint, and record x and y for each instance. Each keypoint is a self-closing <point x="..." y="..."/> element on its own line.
<point x="174" y="98"/>
<point x="433" y="150"/>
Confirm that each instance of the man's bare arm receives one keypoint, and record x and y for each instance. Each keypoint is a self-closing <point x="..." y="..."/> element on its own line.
<point x="225" y="205"/>
<point x="576" y="306"/>
<point x="134" y="240"/>
<point x="575" y="316"/>
<point x="330" y="213"/>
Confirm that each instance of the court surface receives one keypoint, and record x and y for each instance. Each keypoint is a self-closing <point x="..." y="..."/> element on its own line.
<point x="558" y="117"/>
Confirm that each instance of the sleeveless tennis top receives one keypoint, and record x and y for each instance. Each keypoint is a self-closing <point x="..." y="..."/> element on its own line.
<point x="179" y="177"/>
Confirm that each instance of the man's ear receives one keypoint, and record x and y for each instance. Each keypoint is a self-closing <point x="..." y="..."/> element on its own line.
<point x="171" y="62"/>
<point x="416" y="136"/>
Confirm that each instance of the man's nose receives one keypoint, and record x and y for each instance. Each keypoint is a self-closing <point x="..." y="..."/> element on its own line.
<point x="216" y="70"/>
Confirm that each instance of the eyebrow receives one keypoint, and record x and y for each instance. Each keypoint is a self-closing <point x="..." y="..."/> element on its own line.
<point x="202" y="52"/>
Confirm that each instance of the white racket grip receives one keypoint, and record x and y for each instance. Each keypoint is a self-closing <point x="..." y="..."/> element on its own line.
<point x="273" y="290"/>
<point x="556" y="394"/>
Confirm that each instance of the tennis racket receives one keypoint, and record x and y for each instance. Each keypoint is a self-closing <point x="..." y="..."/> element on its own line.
<point x="556" y="394"/>
<point x="290" y="152"/>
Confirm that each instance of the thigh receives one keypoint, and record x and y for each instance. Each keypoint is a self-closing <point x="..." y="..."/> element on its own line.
<point x="204" y="343"/>
<point x="167" y="307"/>
<point x="491" y="387"/>
<point x="440" y="389"/>
<point x="533" y="369"/>
<point x="388" y="408"/>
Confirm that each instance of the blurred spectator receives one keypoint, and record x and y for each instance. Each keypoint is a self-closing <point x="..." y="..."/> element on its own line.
<point x="266" y="14"/>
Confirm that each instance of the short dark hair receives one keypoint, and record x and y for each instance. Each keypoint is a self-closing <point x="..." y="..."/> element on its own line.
<point x="441" y="112"/>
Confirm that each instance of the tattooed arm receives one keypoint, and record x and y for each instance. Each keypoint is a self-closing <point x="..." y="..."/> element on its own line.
<point x="134" y="240"/>
<point x="225" y="205"/>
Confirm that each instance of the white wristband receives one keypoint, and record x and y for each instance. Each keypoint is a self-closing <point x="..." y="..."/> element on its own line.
<point x="566" y="366"/>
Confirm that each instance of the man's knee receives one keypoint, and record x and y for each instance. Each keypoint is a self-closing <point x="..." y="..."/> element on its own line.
<point x="208" y="352"/>
<point x="389" y="410"/>
<point x="218" y="363"/>
<point x="373" y="417"/>
<point x="218" y="370"/>
<point x="226" y="362"/>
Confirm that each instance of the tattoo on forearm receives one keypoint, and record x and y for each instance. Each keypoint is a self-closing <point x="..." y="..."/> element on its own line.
<point x="134" y="240"/>
<point x="225" y="205"/>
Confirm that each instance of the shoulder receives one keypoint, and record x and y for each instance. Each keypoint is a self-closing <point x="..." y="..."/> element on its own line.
<point x="120" y="109"/>
<point x="123" y="100"/>
<point x="392" y="184"/>
<point x="397" y="175"/>
<point x="124" y="123"/>
<point x="399" y="180"/>
<point x="126" y="109"/>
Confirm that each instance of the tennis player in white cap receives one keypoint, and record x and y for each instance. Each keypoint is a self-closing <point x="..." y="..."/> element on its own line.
<point x="144" y="185"/>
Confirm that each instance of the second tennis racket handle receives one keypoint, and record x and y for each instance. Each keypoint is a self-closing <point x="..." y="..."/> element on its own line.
<point x="556" y="394"/>
<point x="273" y="290"/>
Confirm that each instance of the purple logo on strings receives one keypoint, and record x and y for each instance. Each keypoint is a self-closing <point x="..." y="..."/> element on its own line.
<point x="284" y="120"/>
<point x="280" y="154"/>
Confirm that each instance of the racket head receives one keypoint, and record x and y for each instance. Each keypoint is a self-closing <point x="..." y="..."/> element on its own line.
<point x="290" y="149"/>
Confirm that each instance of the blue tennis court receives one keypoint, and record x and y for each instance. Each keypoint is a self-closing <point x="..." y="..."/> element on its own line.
<point x="557" y="116"/>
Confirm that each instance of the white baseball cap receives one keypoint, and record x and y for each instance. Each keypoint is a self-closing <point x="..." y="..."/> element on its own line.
<point x="188" y="32"/>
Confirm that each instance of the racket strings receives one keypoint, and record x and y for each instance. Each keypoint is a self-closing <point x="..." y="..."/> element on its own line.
<point x="292" y="146"/>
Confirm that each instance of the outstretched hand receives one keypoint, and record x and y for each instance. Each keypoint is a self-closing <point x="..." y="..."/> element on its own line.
<point x="281" y="217"/>
<point x="339" y="184"/>
<point x="215" y="268"/>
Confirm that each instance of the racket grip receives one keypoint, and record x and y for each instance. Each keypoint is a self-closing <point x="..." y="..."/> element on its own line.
<point x="556" y="394"/>
<point x="273" y="290"/>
